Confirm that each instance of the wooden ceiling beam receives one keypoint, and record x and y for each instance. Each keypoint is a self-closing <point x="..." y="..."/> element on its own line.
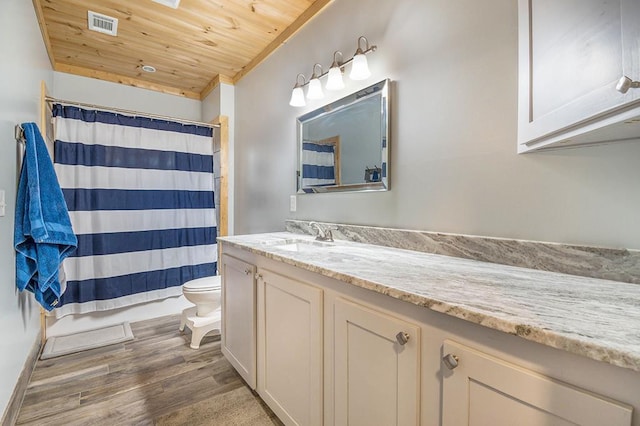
<point x="43" y="29"/>
<point x="215" y="82"/>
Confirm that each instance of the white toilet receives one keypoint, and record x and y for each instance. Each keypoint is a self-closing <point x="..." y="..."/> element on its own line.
<point x="205" y="316"/>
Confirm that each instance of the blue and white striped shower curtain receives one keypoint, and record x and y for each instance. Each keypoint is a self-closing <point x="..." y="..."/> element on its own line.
<point x="318" y="164"/>
<point x="140" y="194"/>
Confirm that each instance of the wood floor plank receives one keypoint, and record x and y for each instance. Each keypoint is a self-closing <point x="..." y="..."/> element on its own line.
<point x="154" y="379"/>
<point x="72" y="377"/>
<point x="49" y="407"/>
<point x="57" y="366"/>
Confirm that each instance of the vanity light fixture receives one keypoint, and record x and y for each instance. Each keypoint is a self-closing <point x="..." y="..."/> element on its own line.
<point x="315" y="88"/>
<point x="359" y="71"/>
<point x="334" y="80"/>
<point x="297" y="95"/>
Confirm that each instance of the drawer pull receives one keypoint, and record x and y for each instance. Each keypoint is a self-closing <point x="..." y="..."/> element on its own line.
<point x="451" y="361"/>
<point x="402" y="338"/>
<point x="247" y="271"/>
<point x="258" y="276"/>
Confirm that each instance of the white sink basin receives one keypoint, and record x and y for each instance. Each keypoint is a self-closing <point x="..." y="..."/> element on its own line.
<point x="299" y="245"/>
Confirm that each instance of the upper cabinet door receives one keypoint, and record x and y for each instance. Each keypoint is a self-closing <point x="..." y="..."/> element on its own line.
<point x="572" y="54"/>
<point x="631" y="26"/>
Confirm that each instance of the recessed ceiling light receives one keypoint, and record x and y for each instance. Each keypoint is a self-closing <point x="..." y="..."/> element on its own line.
<point x="148" y="68"/>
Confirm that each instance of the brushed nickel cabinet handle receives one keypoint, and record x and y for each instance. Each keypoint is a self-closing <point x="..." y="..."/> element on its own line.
<point x="450" y="361"/>
<point x="402" y="338"/>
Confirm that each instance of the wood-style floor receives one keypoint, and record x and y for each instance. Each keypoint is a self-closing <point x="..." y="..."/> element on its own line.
<point x="155" y="379"/>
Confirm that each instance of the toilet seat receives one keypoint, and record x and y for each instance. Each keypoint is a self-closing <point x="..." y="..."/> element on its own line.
<point x="201" y="285"/>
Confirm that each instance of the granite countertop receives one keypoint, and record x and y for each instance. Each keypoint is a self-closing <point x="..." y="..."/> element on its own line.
<point x="596" y="318"/>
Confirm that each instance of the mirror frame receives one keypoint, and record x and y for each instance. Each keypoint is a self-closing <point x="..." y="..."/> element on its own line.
<point x="381" y="89"/>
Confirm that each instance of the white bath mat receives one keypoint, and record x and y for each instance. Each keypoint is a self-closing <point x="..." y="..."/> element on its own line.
<point x="63" y="345"/>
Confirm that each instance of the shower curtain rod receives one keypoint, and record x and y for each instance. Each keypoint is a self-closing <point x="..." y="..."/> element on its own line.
<point x="136" y="113"/>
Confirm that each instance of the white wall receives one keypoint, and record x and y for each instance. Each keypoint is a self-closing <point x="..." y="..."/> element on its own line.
<point x="81" y="89"/>
<point x="23" y="66"/>
<point x="454" y="166"/>
<point x="89" y="90"/>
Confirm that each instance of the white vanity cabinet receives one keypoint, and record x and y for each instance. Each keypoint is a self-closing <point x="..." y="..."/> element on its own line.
<point x="290" y="348"/>
<point x="376" y="372"/>
<point x="239" y="316"/>
<point x="479" y="389"/>
<point x="571" y="55"/>
<point x="332" y="353"/>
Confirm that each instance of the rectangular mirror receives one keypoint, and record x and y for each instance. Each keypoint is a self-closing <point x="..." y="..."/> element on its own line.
<point x="344" y="146"/>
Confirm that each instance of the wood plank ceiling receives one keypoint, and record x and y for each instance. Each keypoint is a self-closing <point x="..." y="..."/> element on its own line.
<point x="193" y="48"/>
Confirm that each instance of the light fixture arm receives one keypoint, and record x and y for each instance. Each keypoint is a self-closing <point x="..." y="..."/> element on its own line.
<point x="304" y="81"/>
<point x="366" y="45"/>
<point x="314" y="75"/>
<point x="335" y="63"/>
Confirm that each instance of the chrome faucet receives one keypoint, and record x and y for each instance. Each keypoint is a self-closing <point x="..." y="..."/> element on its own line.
<point x="323" y="235"/>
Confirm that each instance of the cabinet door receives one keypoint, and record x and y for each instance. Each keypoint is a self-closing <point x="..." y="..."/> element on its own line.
<point x="290" y="348"/>
<point x="376" y="378"/>
<point x="483" y="390"/>
<point x="572" y="54"/>
<point x="238" y="316"/>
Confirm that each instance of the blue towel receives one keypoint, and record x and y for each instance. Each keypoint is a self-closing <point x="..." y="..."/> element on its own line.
<point x="43" y="236"/>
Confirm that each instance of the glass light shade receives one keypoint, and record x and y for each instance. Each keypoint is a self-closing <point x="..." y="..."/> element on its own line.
<point x="315" y="89"/>
<point x="334" y="79"/>
<point x="359" y="68"/>
<point x="297" y="97"/>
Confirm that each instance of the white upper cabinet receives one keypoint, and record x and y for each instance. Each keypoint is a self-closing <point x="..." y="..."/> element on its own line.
<point x="572" y="53"/>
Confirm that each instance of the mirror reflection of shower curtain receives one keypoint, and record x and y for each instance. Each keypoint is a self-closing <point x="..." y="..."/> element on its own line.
<point x="318" y="164"/>
<point x="141" y="200"/>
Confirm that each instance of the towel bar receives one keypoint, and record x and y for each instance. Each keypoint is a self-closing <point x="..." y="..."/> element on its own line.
<point x="19" y="133"/>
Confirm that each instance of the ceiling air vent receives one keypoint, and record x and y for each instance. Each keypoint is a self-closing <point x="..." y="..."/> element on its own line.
<point x="171" y="3"/>
<point x="102" y="23"/>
